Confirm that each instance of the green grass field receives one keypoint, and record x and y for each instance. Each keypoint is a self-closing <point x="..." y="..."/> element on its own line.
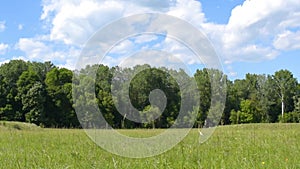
<point x="240" y="146"/>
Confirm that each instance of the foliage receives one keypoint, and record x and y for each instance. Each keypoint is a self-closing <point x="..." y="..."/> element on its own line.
<point x="291" y="117"/>
<point x="248" y="113"/>
<point x="41" y="93"/>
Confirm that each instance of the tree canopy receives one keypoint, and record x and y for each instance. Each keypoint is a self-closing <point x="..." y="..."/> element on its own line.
<point x="41" y="93"/>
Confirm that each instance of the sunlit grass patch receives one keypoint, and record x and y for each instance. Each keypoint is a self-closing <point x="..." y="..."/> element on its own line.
<point x="238" y="146"/>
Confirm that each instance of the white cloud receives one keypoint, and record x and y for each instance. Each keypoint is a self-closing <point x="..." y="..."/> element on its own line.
<point x="145" y="38"/>
<point x="33" y="48"/>
<point x="76" y="27"/>
<point x="179" y="50"/>
<point x="166" y="52"/>
<point x="3" y="48"/>
<point x="230" y="71"/>
<point x="42" y="50"/>
<point x="154" y="58"/>
<point x="287" y="40"/>
<point x="233" y="74"/>
<point x="110" y="61"/>
<point x="2" y="26"/>
<point x="13" y="58"/>
<point x="255" y="18"/>
<point x="123" y="47"/>
<point x="188" y="10"/>
<point x="257" y="30"/>
<point x="4" y="61"/>
<point x="20" y="27"/>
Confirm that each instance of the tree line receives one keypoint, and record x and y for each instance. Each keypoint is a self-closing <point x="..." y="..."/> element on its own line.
<point x="41" y="93"/>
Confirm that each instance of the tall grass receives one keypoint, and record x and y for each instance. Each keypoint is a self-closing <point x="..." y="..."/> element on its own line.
<point x="11" y="125"/>
<point x="239" y="146"/>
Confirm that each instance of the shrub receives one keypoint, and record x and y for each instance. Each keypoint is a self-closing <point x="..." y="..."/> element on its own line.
<point x="291" y="117"/>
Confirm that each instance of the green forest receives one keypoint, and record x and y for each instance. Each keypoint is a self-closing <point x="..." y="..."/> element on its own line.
<point x="41" y="93"/>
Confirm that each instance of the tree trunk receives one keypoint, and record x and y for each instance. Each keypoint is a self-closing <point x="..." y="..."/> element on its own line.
<point x="282" y="106"/>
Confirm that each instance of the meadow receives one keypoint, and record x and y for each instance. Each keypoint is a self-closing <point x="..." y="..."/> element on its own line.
<point x="236" y="146"/>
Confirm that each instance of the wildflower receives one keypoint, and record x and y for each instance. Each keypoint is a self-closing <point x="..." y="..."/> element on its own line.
<point x="263" y="163"/>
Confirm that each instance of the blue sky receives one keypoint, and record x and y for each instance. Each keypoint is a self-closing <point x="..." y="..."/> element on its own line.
<point x="251" y="36"/>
